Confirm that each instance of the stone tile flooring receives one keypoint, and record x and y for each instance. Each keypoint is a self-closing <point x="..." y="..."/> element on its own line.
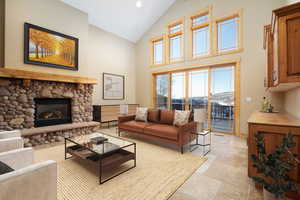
<point x="223" y="176"/>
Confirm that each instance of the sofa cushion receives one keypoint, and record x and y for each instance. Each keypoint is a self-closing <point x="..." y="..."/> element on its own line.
<point x="4" y="168"/>
<point x="153" y="115"/>
<point x="166" y="117"/>
<point x="163" y="131"/>
<point x="135" y="126"/>
<point x="181" y="117"/>
<point x="141" y="114"/>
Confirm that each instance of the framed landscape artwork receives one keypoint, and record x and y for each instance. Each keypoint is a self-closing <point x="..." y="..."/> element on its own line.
<point x="113" y="87"/>
<point x="49" y="48"/>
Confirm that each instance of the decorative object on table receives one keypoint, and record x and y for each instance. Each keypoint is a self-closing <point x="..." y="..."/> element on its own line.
<point x="266" y="106"/>
<point x="275" y="167"/>
<point x="181" y="117"/>
<point x="113" y="87"/>
<point x="141" y="114"/>
<point x="49" y="48"/>
<point x="124" y="109"/>
<point x="200" y="117"/>
<point x="98" y="140"/>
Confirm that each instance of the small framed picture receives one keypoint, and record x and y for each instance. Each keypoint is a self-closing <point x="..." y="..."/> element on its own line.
<point x="113" y="87"/>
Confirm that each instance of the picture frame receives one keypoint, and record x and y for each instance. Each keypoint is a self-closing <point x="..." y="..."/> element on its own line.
<point x="113" y="87"/>
<point x="49" y="48"/>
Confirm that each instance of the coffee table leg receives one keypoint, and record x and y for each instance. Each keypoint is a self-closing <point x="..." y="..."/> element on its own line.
<point x="134" y="155"/>
<point x="100" y="171"/>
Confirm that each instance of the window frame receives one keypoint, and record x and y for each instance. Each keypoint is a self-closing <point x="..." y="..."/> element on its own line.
<point x="237" y="14"/>
<point x="192" y="28"/>
<point x="152" y="49"/>
<point x="171" y="35"/>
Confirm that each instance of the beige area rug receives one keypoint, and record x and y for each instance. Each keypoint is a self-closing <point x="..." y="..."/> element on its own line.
<point x="159" y="173"/>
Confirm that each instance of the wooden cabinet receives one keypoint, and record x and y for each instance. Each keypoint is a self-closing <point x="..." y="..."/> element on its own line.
<point x="110" y="113"/>
<point x="282" y="44"/>
<point x="273" y="126"/>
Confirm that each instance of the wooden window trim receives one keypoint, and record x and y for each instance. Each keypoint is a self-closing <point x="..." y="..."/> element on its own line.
<point x="239" y="15"/>
<point x="206" y="11"/>
<point x="170" y="35"/>
<point x="152" y="41"/>
<point x="237" y="84"/>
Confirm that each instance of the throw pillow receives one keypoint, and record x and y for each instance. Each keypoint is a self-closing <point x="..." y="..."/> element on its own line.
<point x="4" y="168"/>
<point x="153" y="115"/>
<point x="181" y="117"/>
<point x="141" y="114"/>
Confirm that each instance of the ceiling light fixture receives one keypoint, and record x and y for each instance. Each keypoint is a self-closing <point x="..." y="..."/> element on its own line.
<point x="139" y="4"/>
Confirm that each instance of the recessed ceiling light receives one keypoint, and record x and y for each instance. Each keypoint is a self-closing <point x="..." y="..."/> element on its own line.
<point x="139" y="4"/>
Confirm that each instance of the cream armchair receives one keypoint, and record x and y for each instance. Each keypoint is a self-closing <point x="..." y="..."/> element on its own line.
<point x="29" y="181"/>
<point x="10" y="140"/>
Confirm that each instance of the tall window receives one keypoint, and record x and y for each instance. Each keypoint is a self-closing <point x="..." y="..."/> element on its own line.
<point x="178" y="91"/>
<point x="228" y="31"/>
<point x="162" y="91"/>
<point x="201" y="30"/>
<point x="175" y="41"/>
<point x="158" y="51"/>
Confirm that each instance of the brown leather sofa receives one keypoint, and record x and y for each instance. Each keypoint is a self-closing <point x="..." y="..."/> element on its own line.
<point x="159" y="127"/>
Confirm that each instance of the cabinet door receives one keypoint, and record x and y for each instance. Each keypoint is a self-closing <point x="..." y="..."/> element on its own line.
<point x="289" y="33"/>
<point x="270" y="57"/>
<point x="275" y="69"/>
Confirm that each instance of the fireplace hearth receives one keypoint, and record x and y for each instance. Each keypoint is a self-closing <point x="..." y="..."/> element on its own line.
<point x="52" y="111"/>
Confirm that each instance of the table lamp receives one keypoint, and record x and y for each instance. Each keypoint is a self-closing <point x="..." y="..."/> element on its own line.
<point x="200" y="117"/>
<point x="124" y="109"/>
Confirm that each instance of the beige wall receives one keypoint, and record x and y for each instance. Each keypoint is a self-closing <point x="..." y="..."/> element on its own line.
<point x="2" y="22"/>
<point x="99" y="51"/>
<point x="292" y="102"/>
<point x="111" y="54"/>
<point x="256" y="14"/>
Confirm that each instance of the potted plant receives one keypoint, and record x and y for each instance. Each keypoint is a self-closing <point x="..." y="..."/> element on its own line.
<point x="274" y="167"/>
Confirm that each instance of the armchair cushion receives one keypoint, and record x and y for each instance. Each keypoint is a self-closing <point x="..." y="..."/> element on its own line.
<point x="18" y="158"/>
<point x="10" y="134"/>
<point x="4" y="168"/>
<point x="9" y="144"/>
<point x="134" y="125"/>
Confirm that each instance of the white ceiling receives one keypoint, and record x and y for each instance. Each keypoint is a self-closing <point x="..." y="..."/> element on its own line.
<point x="122" y="17"/>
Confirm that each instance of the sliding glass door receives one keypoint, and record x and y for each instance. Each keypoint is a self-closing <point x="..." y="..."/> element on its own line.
<point x="211" y="88"/>
<point x="162" y="91"/>
<point x="178" y="91"/>
<point x="198" y="90"/>
<point x="222" y="99"/>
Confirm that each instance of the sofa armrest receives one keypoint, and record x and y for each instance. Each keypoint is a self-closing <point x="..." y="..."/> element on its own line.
<point x="18" y="158"/>
<point x="10" y="134"/>
<point x="185" y="132"/>
<point x="37" y="181"/>
<point x="126" y="118"/>
<point x="9" y="144"/>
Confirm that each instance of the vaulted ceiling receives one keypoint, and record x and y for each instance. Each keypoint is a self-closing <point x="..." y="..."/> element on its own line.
<point x="122" y="17"/>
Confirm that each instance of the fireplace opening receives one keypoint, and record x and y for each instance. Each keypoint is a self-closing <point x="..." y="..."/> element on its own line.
<point x="52" y="111"/>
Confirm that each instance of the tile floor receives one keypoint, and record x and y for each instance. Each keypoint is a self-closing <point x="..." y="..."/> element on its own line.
<point x="223" y="176"/>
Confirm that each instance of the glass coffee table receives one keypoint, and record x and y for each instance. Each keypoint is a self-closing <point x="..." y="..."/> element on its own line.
<point x="102" y="150"/>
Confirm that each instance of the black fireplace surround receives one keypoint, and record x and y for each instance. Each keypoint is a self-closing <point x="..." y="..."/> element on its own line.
<point x="52" y="111"/>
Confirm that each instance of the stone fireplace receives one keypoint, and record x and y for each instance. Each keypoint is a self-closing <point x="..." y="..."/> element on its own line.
<point x="52" y="111"/>
<point x="18" y="102"/>
<point x="31" y="105"/>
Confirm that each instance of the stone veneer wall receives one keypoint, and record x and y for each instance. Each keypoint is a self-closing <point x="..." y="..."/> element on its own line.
<point x="17" y="101"/>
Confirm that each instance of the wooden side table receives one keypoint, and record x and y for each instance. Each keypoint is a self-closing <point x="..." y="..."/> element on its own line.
<point x="202" y="134"/>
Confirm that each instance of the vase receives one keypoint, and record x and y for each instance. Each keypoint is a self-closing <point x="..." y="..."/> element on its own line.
<point x="269" y="196"/>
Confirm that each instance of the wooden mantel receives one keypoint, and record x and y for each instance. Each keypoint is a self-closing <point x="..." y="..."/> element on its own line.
<point x="42" y="76"/>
